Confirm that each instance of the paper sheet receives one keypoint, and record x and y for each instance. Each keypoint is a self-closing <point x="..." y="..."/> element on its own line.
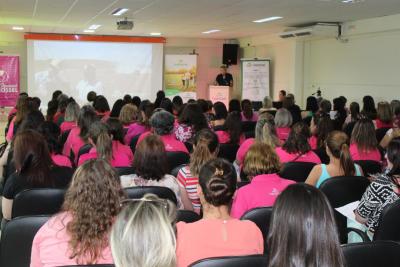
<point x="348" y="210"/>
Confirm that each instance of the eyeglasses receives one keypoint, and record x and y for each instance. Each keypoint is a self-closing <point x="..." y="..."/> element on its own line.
<point x="163" y="202"/>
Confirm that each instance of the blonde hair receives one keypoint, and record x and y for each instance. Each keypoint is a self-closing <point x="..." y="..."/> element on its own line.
<point x="128" y="114"/>
<point x="261" y="159"/>
<point x="143" y="234"/>
<point x="72" y="112"/>
<point x="205" y="148"/>
<point x="265" y="131"/>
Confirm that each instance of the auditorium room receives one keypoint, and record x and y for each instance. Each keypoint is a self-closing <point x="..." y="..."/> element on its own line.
<point x="199" y="133"/>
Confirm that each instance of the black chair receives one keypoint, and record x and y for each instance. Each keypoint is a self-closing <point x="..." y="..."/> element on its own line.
<point x="38" y="201"/>
<point x="64" y="137"/>
<point x="341" y="191"/>
<point x="138" y="192"/>
<point x="388" y="223"/>
<point x="16" y="240"/>
<point x="176" y="159"/>
<point x="369" y="167"/>
<point x="125" y="170"/>
<point x="248" y="126"/>
<point x="250" y="134"/>
<point x="175" y="171"/>
<point x="380" y="133"/>
<point x="133" y="143"/>
<point x="321" y="153"/>
<point x="261" y="217"/>
<point x="189" y="146"/>
<point x="242" y="183"/>
<point x="83" y="150"/>
<point x="187" y="216"/>
<point x="372" y="254"/>
<point x="228" y="151"/>
<point x="238" y="261"/>
<point x="296" y="171"/>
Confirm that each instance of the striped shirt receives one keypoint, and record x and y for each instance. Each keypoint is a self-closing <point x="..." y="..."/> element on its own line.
<point x="187" y="181"/>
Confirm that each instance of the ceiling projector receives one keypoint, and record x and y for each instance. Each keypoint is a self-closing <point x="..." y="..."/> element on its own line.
<point x="125" y="24"/>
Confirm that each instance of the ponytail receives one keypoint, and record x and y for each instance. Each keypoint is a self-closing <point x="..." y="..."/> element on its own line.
<point x="346" y="162"/>
<point x="200" y="155"/>
<point x="104" y="146"/>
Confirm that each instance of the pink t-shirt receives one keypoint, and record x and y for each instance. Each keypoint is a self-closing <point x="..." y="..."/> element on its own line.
<point x="253" y="118"/>
<point x="122" y="155"/>
<point x="242" y="151"/>
<point x="10" y="132"/>
<point x="313" y="141"/>
<point x="287" y="157"/>
<point x="283" y="133"/>
<point x="374" y="155"/>
<point x="133" y="130"/>
<point x="380" y="124"/>
<point x="74" y="142"/>
<point x="261" y="192"/>
<point x="61" y="160"/>
<point x="67" y="125"/>
<point x="224" y="137"/>
<point x="170" y="142"/>
<point x="215" y="238"/>
<point x="50" y="246"/>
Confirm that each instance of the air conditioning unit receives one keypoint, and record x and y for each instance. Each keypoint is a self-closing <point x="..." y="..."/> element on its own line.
<point x="317" y="30"/>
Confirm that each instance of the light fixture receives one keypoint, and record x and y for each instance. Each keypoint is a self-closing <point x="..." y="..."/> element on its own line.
<point x="211" y="31"/>
<point x="88" y="31"/>
<point x="267" y="19"/>
<point x="119" y="11"/>
<point x="18" y="28"/>
<point x="94" y="27"/>
<point x="155" y="33"/>
<point x="352" y="1"/>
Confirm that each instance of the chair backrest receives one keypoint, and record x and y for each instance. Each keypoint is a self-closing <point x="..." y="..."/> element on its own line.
<point x="16" y="240"/>
<point x="380" y="133"/>
<point x="242" y="183"/>
<point x="248" y="126"/>
<point x="176" y="159"/>
<point x="341" y="191"/>
<point x="125" y="170"/>
<point x="372" y="254"/>
<point x="83" y="150"/>
<point x="250" y="134"/>
<point x="296" y="171"/>
<point x="138" y="192"/>
<point x="369" y="167"/>
<point x="321" y="153"/>
<point x="261" y="217"/>
<point x="38" y="201"/>
<point x="189" y="146"/>
<point x="187" y="216"/>
<point x="175" y="171"/>
<point x="228" y="151"/>
<point x="133" y="143"/>
<point x="388" y="227"/>
<point x="64" y="137"/>
<point x="238" y="261"/>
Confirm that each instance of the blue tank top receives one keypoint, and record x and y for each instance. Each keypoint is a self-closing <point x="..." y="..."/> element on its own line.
<point x="325" y="175"/>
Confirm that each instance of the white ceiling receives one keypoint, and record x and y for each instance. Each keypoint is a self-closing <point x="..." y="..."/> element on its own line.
<point x="184" y="18"/>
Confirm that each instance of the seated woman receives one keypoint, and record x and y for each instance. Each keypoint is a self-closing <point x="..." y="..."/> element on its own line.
<point x="363" y="143"/>
<point x="354" y="115"/>
<point x="102" y="107"/>
<point x="383" y="191"/>
<point x="63" y="101"/>
<point x="340" y="161"/>
<point x="217" y="234"/>
<point x="79" y="135"/>
<point x="220" y="114"/>
<point x="190" y="122"/>
<point x="139" y="230"/>
<point x="384" y="116"/>
<point x="283" y="122"/>
<point x="16" y="119"/>
<point x="311" y="109"/>
<point x="162" y="124"/>
<point x="128" y="115"/>
<point x="79" y="235"/>
<point x="205" y="148"/>
<point x="34" y="169"/>
<point x="296" y="148"/>
<point x="303" y="230"/>
<point x="70" y="117"/>
<point x="247" y="111"/>
<point x="321" y="126"/>
<point x="261" y="166"/>
<point x="231" y="132"/>
<point x="51" y="133"/>
<point x="150" y="164"/>
<point x="107" y="145"/>
<point x="142" y="125"/>
<point x="267" y="106"/>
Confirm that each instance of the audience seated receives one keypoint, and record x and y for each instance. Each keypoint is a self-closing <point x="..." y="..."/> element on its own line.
<point x="21" y="112"/>
<point x="354" y="115"/>
<point x="267" y="106"/>
<point x="142" y="125"/>
<point x="101" y="107"/>
<point x="247" y="113"/>
<point x="297" y="147"/>
<point x="303" y="230"/>
<point x="177" y="104"/>
<point x="369" y="109"/>
<point x="234" y="105"/>
<point x="34" y="169"/>
<point x="289" y="103"/>
<point x="261" y="166"/>
<point x="221" y="113"/>
<point x="63" y="101"/>
<point x="80" y="233"/>
<point x="70" y="117"/>
<point x="190" y="122"/>
<point x="311" y="109"/>
<point x="116" y="109"/>
<point x="384" y="116"/>
<point x="340" y="161"/>
<point x="231" y="131"/>
<point x="339" y="112"/>
<point x="217" y="234"/>
<point x="128" y="115"/>
<point x="283" y="122"/>
<point x="321" y="126"/>
<point x="363" y="143"/>
<point x="143" y="233"/>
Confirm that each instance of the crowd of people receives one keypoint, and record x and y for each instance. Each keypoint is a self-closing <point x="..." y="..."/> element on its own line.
<point x="82" y="149"/>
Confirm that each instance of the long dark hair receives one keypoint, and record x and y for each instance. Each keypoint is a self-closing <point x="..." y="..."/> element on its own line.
<point x="220" y="111"/>
<point x="101" y="104"/>
<point x="116" y="109"/>
<point x="312" y="104"/>
<point x="87" y="116"/>
<point x="192" y="115"/>
<point x="303" y="230"/>
<point x="233" y="125"/>
<point x="297" y="141"/>
<point x="51" y="133"/>
<point x="338" y="144"/>
<point x="324" y="126"/>
<point x="234" y="105"/>
<point x="363" y="135"/>
<point x="369" y="108"/>
<point x="393" y="155"/>
<point x="247" y="109"/>
<point x="32" y="158"/>
<point x="116" y="130"/>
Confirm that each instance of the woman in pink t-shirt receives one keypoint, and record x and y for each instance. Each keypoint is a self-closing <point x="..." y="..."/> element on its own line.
<point x="283" y="122"/>
<point x="217" y="234"/>
<point x="297" y="147"/>
<point x="247" y="113"/>
<point x="261" y="166"/>
<point x="384" y="116"/>
<point x="231" y="132"/>
<point x="142" y="125"/>
<point x="363" y="143"/>
<point x="22" y="111"/>
<point x="128" y="115"/>
<point x="79" y="234"/>
<point x="71" y="117"/>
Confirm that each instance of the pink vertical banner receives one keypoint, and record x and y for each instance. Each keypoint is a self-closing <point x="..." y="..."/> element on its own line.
<point x="9" y="80"/>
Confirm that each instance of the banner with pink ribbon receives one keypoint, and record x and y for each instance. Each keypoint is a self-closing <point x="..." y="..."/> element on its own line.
<point x="9" y="80"/>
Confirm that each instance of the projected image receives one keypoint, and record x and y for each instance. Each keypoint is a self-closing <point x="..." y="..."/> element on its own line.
<point x="111" y="69"/>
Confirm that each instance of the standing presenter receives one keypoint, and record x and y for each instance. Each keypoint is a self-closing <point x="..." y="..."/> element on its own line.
<point x="225" y="79"/>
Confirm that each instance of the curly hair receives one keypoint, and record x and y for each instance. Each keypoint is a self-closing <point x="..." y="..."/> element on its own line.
<point x="93" y="200"/>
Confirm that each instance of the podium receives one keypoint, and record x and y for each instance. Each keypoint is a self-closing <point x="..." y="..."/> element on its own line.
<point x="219" y="94"/>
